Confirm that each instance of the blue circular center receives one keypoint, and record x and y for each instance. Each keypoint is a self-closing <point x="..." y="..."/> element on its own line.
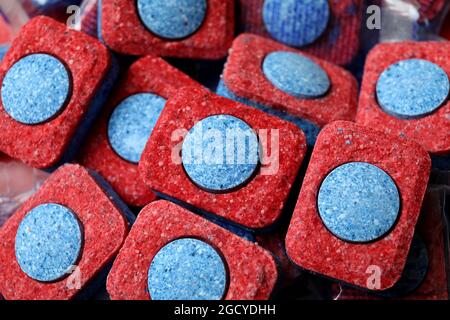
<point x="220" y="153"/>
<point x="412" y="88"/>
<point x="296" y="22"/>
<point x="358" y="202"/>
<point x="172" y="19"/>
<point x="48" y="242"/>
<point x="296" y="75"/>
<point x="187" y="269"/>
<point x="132" y="123"/>
<point x="35" y="89"/>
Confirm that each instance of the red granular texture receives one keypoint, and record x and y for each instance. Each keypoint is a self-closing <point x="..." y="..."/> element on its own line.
<point x="256" y="205"/>
<point x="431" y="228"/>
<point x="42" y="145"/>
<point x="429" y="9"/>
<point x="123" y="31"/>
<point x="148" y="74"/>
<point x="310" y="245"/>
<point x="243" y="75"/>
<point x="433" y="131"/>
<point x="104" y="228"/>
<point x="252" y="270"/>
<point x="339" y="43"/>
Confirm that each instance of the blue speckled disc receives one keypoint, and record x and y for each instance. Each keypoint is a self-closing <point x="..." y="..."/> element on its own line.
<point x="187" y="269"/>
<point x="411" y="89"/>
<point x="48" y="242"/>
<point x="220" y="153"/>
<point x="296" y="22"/>
<point x="296" y="75"/>
<point x="172" y="19"/>
<point x="358" y="202"/>
<point x="35" y="89"/>
<point x="132" y="123"/>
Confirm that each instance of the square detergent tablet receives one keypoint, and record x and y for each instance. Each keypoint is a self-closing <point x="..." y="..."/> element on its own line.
<point x="197" y="29"/>
<point x="327" y="29"/>
<point x="223" y="157"/>
<point x="173" y="254"/>
<point x="115" y="144"/>
<point x="358" y="206"/>
<point x="405" y="92"/>
<point x="60" y="240"/>
<point x="288" y="83"/>
<point x="425" y="276"/>
<point x="51" y="91"/>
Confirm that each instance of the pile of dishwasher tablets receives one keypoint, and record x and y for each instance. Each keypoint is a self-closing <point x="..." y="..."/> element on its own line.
<point x="224" y="149"/>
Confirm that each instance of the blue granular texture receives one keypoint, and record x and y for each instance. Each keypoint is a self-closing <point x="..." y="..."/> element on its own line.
<point x="310" y="129"/>
<point x="132" y="123"/>
<point x="35" y="89"/>
<point x="187" y="269"/>
<point x="413" y="88"/>
<point x="296" y="22"/>
<point x="48" y="242"/>
<point x="220" y="153"/>
<point x="296" y="75"/>
<point x="172" y="19"/>
<point x="358" y="202"/>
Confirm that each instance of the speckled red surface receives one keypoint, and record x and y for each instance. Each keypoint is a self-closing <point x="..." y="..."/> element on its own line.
<point x="431" y="229"/>
<point x="340" y="42"/>
<point x="104" y="227"/>
<point x="256" y="205"/>
<point x="433" y="131"/>
<point x="252" y="270"/>
<point x="243" y="76"/>
<point x="123" y="32"/>
<point x="310" y="245"/>
<point x="148" y="74"/>
<point x="43" y="145"/>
